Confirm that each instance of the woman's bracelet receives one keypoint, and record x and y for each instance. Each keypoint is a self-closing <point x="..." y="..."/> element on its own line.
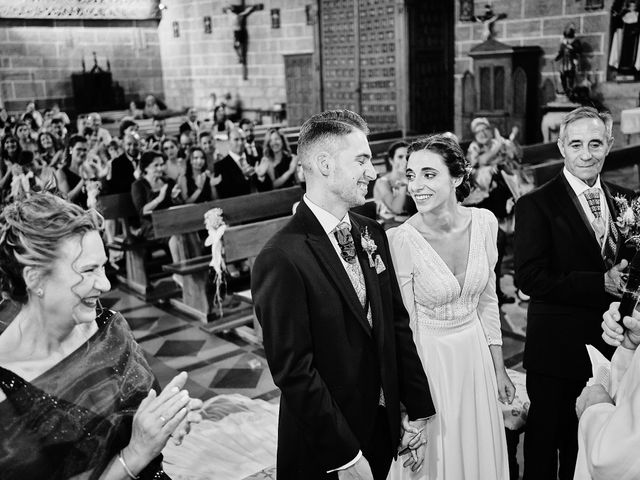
<point x="125" y="466"/>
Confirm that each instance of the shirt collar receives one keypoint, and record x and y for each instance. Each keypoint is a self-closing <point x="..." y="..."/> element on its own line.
<point x="577" y="185"/>
<point x="235" y="156"/>
<point x="326" y="219"/>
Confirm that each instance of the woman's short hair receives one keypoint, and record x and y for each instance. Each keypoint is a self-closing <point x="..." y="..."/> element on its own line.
<point x="31" y="231"/>
<point x="392" y="153"/>
<point x="451" y="154"/>
<point x="147" y="159"/>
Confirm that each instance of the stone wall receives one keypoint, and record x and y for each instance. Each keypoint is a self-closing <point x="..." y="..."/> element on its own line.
<point x="37" y="58"/>
<point x="196" y="63"/>
<point x="539" y="23"/>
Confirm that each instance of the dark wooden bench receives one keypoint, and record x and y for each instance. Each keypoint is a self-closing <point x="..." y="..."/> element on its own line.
<point x="243" y="211"/>
<point x="140" y="270"/>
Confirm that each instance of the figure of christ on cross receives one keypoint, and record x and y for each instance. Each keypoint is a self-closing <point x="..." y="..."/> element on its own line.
<point x="240" y="34"/>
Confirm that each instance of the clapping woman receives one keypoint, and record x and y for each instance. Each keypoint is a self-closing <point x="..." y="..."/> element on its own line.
<point x="77" y="397"/>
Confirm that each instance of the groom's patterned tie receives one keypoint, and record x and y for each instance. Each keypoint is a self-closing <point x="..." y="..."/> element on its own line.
<point x="354" y="271"/>
<point x="609" y="238"/>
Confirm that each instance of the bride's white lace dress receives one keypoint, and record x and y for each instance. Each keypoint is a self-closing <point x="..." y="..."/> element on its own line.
<point x="453" y="322"/>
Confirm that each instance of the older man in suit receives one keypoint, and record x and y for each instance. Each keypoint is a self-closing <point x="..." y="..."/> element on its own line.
<point x="569" y="259"/>
<point x="336" y="333"/>
<point x="241" y="174"/>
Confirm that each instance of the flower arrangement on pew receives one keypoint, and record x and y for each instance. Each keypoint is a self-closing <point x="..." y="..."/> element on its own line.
<point x="214" y="223"/>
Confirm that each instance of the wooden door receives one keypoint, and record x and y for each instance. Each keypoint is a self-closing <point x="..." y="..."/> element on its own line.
<point x="430" y="26"/>
<point x="302" y="98"/>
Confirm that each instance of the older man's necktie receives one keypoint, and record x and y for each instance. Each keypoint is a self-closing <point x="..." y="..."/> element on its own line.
<point x="607" y="234"/>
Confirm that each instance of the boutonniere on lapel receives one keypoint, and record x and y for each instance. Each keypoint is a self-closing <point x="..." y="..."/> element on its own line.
<point x="370" y="247"/>
<point x="628" y="220"/>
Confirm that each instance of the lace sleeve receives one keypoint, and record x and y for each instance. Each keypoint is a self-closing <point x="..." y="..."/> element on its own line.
<point x="488" y="309"/>
<point x="400" y="248"/>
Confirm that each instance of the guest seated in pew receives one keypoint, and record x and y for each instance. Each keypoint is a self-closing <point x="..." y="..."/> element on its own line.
<point x="128" y="125"/>
<point x="239" y="176"/>
<point x="154" y="141"/>
<point x="390" y="190"/>
<point x="197" y="184"/>
<point x="77" y="397"/>
<point x="175" y="164"/>
<point x="251" y="148"/>
<point x="9" y="152"/>
<point x="155" y="191"/>
<point x="208" y="145"/>
<point x="282" y="163"/>
<point x="222" y="126"/>
<point x="70" y="181"/>
<point x="94" y="120"/>
<point x="48" y="147"/>
<point x="489" y="154"/>
<point x="124" y="168"/>
<point x="191" y="123"/>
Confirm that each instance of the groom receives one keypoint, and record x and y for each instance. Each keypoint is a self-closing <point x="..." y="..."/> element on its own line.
<point x="336" y="334"/>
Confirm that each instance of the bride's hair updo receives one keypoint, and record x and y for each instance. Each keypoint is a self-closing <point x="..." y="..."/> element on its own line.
<point x="31" y="231"/>
<point x="449" y="149"/>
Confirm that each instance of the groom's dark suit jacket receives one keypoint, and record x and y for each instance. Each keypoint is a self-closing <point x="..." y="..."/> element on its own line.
<point x="324" y="357"/>
<point x="558" y="263"/>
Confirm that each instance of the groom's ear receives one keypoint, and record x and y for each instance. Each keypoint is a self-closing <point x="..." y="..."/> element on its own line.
<point x="324" y="162"/>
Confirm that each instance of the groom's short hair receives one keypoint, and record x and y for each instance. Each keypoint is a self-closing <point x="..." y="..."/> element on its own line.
<point x="326" y="126"/>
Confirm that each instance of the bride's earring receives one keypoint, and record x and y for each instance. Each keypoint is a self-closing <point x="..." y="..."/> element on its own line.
<point x="39" y="292"/>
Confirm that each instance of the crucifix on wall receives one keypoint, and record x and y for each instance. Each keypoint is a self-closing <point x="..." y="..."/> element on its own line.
<point x="240" y="33"/>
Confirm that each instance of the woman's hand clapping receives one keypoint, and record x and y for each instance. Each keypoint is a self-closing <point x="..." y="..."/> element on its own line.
<point x="159" y="417"/>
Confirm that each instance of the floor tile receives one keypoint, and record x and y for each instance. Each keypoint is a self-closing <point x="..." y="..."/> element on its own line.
<point x="179" y="348"/>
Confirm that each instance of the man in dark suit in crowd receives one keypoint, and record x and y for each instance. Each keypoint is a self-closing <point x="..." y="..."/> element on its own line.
<point x="239" y="175"/>
<point x="124" y="166"/>
<point x="569" y="259"/>
<point x="191" y="124"/>
<point x="336" y="333"/>
<point x="251" y="148"/>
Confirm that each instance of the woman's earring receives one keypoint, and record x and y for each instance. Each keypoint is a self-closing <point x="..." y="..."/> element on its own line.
<point x="39" y="292"/>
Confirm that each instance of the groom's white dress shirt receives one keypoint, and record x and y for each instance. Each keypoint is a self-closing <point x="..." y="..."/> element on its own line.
<point x="329" y="224"/>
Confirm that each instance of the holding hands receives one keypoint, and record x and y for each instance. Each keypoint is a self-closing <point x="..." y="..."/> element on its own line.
<point x="413" y="442"/>
<point x="506" y="390"/>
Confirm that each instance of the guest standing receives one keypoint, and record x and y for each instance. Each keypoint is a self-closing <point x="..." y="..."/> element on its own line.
<point x="77" y="397"/>
<point x="568" y="258"/>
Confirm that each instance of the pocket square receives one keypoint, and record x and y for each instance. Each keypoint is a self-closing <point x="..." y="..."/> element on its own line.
<point x="379" y="265"/>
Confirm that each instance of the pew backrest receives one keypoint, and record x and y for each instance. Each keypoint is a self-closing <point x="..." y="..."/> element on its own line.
<point x="116" y="205"/>
<point x="246" y="241"/>
<point x="236" y="210"/>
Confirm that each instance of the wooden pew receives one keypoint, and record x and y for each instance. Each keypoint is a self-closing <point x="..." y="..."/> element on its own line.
<point x="243" y="211"/>
<point x="138" y="277"/>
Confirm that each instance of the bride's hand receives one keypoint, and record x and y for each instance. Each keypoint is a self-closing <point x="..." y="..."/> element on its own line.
<point x="506" y="390"/>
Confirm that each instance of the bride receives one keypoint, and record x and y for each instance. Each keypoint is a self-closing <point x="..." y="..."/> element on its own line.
<point x="444" y="257"/>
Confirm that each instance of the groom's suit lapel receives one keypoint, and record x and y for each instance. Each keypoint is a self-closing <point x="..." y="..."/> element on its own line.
<point x="330" y="262"/>
<point x="370" y="279"/>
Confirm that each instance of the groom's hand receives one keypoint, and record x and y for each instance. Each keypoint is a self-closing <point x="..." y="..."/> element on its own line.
<point x="358" y="471"/>
<point x="413" y="435"/>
